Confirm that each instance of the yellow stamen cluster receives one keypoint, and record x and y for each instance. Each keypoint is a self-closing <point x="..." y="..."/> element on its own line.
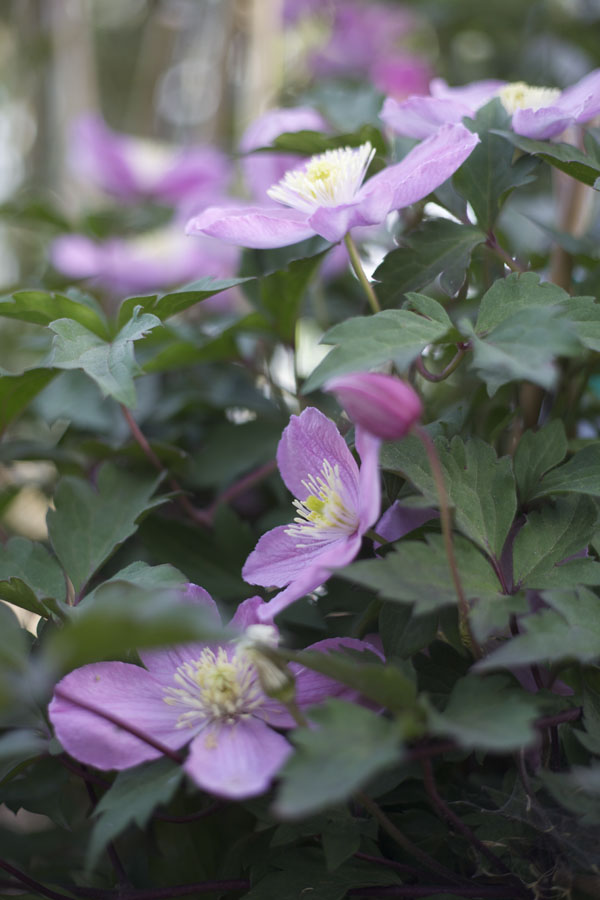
<point x="519" y="95"/>
<point x="328" y="179"/>
<point x="326" y="512"/>
<point x="217" y="685"/>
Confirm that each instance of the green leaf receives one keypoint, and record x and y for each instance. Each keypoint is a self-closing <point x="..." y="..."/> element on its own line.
<point x="17" y="391"/>
<point x="121" y="617"/>
<point x="580" y="475"/>
<point x="165" y="305"/>
<point x="487" y="176"/>
<point x="565" y="157"/>
<point x="480" y="487"/>
<point x="583" y="316"/>
<point x="141" y="575"/>
<point x="308" y="143"/>
<point x="418" y="573"/>
<point x="131" y="799"/>
<point x="282" y="293"/>
<point x="577" y="790"/>
<point x="42" y="308"/>
<point x="111" y="364"/>
<point x="491" y="616"/>
<point x="29" y="576"/>
<point x="539" y="451"/>
<point x="88" y="525"/>
<point x="366" y="342"/>
<point x="349" y="745"/>
<point x="386" y="685"/>
<point x="548" y="537"/>
<point x="524" y="347"/>
<point x="403" y="633"/>
<point x="439" y="247"/>
<point x="230" y="450"/>
<point x="569" y="630"/>
<point x="487" y="714"/>
<point x="514" y="293"/>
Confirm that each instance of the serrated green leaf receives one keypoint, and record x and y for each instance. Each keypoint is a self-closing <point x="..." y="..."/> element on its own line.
<point x="487" y="714"/>
<point x="396" y="335"/>
<point x="166" y="305"/>
<point x="537" y="453"/>
<point x="481" y="487"/>
<point x="111" y="364"/>
<point x="131" y="799"/>
<point x="17" y="391"/>
<point x="29" y="575"/>
<point x="439" y="247"/>
<point x="42" y="308"/>
<point x="86" y="525"/>
<point x="514" y="293"/>
<point x="580" y="475"/>
<point x="348" y="746"/>
<point x="549" y="536"/>
<point x="418" y="573"/>
<point x="566" y="157"/>
<point x="403" y="633"/>
<point x="487" y="176"/>
<point x="568" y="630"/>
<point x="308" y="143"/>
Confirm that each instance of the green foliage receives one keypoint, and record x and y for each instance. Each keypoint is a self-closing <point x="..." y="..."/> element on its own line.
<point x="88" y="525"/>
<point x="17" y="392"/>
<point x="537" y="453"/>
<point x="567" y="158"/>
<point x="30" y="577"/>
<point x="163" y="306"/>
<point x="580" y="475"/>
<point x="349" y="746"/>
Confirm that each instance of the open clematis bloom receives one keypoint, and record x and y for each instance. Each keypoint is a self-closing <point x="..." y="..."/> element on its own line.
<point x="208" y="696"/>
<point x="147" y="263"/>
<point x="327" y="195"/>
<point x="132" y="168"/>
<point x="262" y="170"/>
<point x="382" y="405"/>
<point x="336" y="503"/>
<point x="537" y="112"/>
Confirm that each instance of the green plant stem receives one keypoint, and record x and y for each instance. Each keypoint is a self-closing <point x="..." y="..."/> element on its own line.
<point x="446" y="522"/>
<point x="446" y="372"/>
<point x="501" y="253"/>
<point x="376" y="538"/>
<point x="360" y="274"/>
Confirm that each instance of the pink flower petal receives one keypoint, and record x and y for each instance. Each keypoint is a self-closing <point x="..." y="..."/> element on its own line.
<point x="252" y="226"/>
<point x="236" y="759"/>
<point x="246" y="613"/>
<point x="419" y="117"/>
<point x="369" y="485"/>
<point x="125" y="691"/>
<point x="424" y="168"/>
<point x="277" y="559"/>
<point x="541" y="124"/>
<point x="306" y="442"/>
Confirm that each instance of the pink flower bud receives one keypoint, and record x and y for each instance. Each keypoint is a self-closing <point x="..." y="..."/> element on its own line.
<point x="381" y="404"/>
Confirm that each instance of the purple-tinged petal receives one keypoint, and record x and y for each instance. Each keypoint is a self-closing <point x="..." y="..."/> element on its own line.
<point x="401" y="76"/>
<point x="201" y="171"/>
<point x="99" y="155"/>
<point x="473" y="95"/>
<point x="385" y="406"/>
<point x="424" y="168"/>
<point x="306" y="442"/>
<point x="369" y="484"/>
<point x="582" y="100"/>
<point x="258" y="227"/>
<point x="420" y="117"/>
<point x="76" y="256"/>
<point x="236" y="759"/>
<point x="399" y="520"/>
<point x="334" y="222"/>
<point x="277" y="559"/>
<point x="162" y="664"/>
<point x="246" y="613"/>
<point x="339" y="553"/>
<point x="121" y="690"/>
<point x="541" y="124"/>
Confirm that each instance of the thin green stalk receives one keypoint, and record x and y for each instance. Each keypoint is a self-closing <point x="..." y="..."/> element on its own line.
<point x="360" y="274"/>
<point x="445" y="519"/>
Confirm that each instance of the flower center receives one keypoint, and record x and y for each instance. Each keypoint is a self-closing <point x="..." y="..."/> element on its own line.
<point x="519" y="95"/>
<point x="329" y="179"/>
<point x="327" y="512"/>
<point x="217" y="685"/>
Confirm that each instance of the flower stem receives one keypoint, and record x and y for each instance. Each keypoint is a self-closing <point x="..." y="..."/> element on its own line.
<point x="360" y="273"/>
<point x="445" y="373"/>
<point x="445" y="518"/>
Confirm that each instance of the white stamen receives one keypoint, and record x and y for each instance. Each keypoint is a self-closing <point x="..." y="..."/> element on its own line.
<point x="327" y="512"/>
<point x="519" y="95"/>
<point x="218" y="685"/>
<point x="328" y="179"/>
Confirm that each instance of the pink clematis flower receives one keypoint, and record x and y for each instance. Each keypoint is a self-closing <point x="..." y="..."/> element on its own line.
<point x="261" y="170"/>
<point x="336" y="503"/>
<point x="133" y="168"/>
<point x="327" y="195"/>
<point x="146" y="263"/>
<point x="210" y="696"/>
<point x="382" y="405"/>
<point x="537" y="112"/>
